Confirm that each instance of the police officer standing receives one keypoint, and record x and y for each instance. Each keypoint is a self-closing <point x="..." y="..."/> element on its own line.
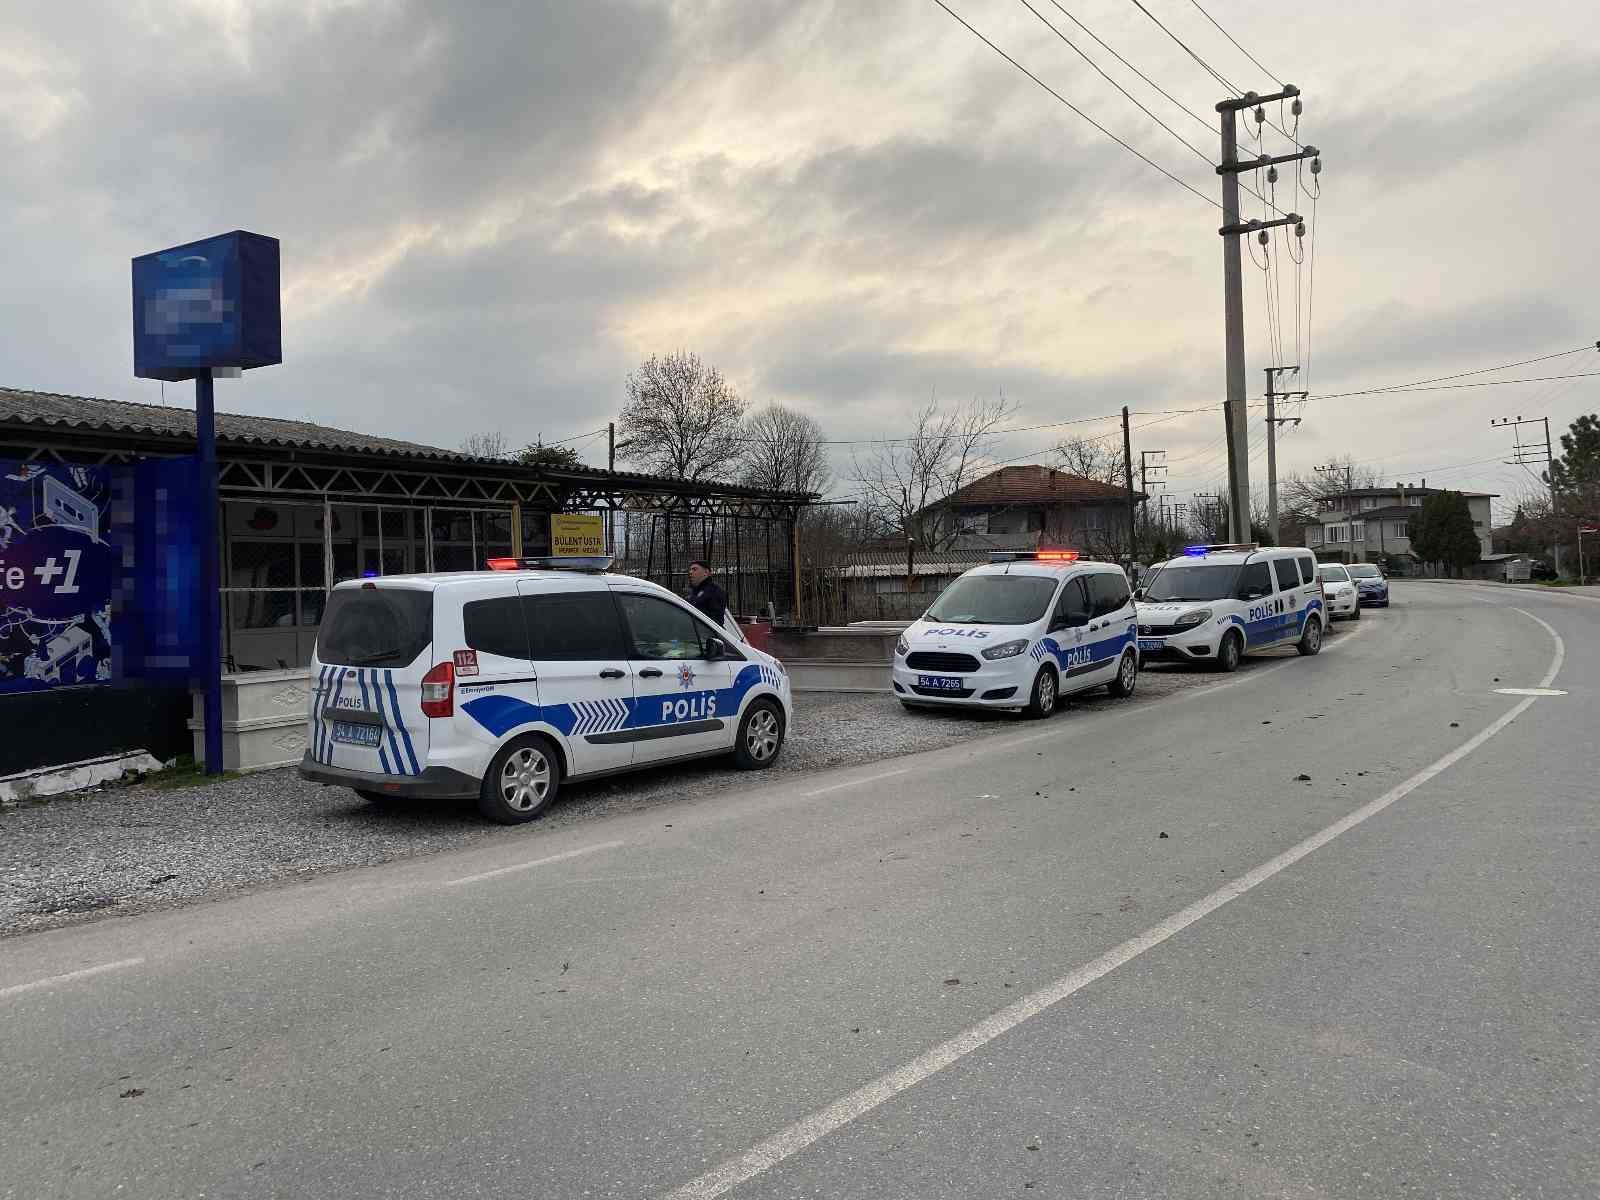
<point x="705" y="593"/>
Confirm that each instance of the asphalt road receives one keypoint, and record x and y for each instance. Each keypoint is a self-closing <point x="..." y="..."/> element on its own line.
<point x="971" y="972"/>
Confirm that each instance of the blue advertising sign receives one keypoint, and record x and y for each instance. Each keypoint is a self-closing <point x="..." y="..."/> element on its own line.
<point x="211" y="303"/>
<point x="56" y="573"/>
<point x="97" y="573"/>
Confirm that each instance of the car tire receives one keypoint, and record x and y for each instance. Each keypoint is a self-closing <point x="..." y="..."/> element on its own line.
<point x="1127" y="675"/>
<point x="760" y="737"/>
<point x="1229" y="652"/>
<point x="521" y="782"/>
<point x="1310" y="638"/>
<point x="1044" y="696"/>
<point x="1356" y="616"/>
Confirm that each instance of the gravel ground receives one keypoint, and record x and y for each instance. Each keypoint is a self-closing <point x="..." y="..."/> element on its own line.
<point x="124" y="849"/>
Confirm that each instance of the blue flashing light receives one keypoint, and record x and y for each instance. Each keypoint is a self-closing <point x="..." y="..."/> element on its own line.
<point x="369" y="574"/>
<point x="1196" y="551"/>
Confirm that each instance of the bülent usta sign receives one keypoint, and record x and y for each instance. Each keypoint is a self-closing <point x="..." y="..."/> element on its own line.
<point x="577" y="534"/>
<point x="205" y="304"/>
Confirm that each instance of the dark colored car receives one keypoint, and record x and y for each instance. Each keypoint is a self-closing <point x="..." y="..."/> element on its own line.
<point x="1372" y="589"/>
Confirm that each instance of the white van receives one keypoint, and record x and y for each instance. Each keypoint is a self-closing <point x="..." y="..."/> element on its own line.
<point x="1020" y="633"/>
<point x="502" y="684"/>
<point x="1213" y="603"/>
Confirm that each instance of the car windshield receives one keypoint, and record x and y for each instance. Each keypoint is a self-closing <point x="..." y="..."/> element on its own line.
<point x="1365" y="571"/>
<point x="1204" y="581"/>
<point x="993" y="600"/>
<point x="1332" y="573"/>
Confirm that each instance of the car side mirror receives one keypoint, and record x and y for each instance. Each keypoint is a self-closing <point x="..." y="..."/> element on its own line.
<point x="1138" y="593"/>
<point x="716" y="648"/>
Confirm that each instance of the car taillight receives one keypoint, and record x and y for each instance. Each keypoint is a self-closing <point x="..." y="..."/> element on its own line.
<point x="439" y="691"/>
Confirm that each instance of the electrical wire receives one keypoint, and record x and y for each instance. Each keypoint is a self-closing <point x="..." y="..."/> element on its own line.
<point x="1232" y="87"/>
<point x="1142" y="158"/>
<point x="1235" y="42"/>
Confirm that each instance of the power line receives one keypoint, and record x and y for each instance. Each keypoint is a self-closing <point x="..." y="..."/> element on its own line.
<point x="1450" y="387"/>
<point x="1240" y="48"/>
<point x="1232" y="87"/>
<point x="1147" y="161"/>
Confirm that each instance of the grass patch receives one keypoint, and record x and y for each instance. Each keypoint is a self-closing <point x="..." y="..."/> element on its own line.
<point x="184" y="773"/>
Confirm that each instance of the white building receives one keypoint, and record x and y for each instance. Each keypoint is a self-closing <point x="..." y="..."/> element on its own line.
<point x="1365" y="524"/>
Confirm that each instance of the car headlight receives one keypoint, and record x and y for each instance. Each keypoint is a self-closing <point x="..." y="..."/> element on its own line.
<point x="1198" y="617"/>
<point x="1006" y="649"/>
<point x="902" y="647"/>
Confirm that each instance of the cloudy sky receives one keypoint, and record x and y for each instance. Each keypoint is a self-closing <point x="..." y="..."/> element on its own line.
<point x="490" y="212"/>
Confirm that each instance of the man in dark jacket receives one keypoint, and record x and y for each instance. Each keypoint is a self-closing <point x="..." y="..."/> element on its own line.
<point x="706" y="594"/>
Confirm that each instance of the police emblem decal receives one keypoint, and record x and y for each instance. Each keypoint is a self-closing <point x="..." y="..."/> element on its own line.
<point x="685" y="676"/>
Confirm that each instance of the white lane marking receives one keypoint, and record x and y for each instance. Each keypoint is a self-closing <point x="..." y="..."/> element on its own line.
<point x="1529" y="692"/>
<point x="1561" y="647"/>
<point x="52" y="981"/>
<point x="835" y="787"/>
<point x="768" y="1153"/>
<point x="538" y="862"/>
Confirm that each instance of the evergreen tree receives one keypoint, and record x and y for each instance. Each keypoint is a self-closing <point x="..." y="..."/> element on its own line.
<point x="1442" y="531"/>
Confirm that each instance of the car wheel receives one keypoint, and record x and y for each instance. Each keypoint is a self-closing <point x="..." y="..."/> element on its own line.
<point x="1127" y="675"/>
<point x="1042" y="700"/>
<point x="760" y="737"/>
<point x="1229" y="653"/>
<point x="522" y="781"/>
<point x="1310" y="637"/>
<point x="1356" y="615"/>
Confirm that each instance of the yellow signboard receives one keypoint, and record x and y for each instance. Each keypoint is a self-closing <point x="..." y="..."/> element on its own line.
<point x="577" y="534"/>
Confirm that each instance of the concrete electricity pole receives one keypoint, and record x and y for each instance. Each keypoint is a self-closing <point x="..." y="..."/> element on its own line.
<point x="1127" y="468"/>
<point x="1527" y="453"/>
<point x="1330" y="471"/>
<point x="1273" y="421"/>
<point x="1235" y="411"/>
<point x="1145" y="467"/>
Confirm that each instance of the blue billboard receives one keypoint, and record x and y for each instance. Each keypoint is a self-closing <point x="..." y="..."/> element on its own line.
<point x="97" y="573"/>
<point x="211" y="303"/>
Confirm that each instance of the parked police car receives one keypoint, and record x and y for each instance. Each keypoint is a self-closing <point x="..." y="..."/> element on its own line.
<point x="1021" y="632"/>
<point x="501" y="684"/>
<point x="1213" y="603"/>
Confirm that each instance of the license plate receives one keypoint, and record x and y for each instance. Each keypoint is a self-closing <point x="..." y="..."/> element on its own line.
<point x="1152" y="643"/>
<point x="354" y="734"/>
<point x="943" y="683"/>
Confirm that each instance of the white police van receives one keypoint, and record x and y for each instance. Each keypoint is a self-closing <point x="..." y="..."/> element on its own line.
<point x="502" y="684"/>
<point x="1213" y="603"/>
<point x="1020" y="633"/>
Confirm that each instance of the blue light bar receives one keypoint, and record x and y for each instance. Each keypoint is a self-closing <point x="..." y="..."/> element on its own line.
<point x="1196" y="551"/>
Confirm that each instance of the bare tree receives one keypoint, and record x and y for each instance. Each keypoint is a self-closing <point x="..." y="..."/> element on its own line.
<point x="783" y="452"/>
<point x="1299" y="495"/>
<point x="941" y="454"/>
<point x="491" y="444"/>
<point x="681" y="419"/>
<point x="1092" y="458"/>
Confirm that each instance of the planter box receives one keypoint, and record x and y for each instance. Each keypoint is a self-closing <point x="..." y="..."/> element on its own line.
<point x="263" y="719"/>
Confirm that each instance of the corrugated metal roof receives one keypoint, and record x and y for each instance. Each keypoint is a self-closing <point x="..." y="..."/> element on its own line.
<point x="92" y="414"/>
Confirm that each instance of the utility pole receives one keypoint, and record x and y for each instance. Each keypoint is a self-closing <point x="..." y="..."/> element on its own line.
<point x="1145" y="467"/>
<point x="1527" y="454"/>
<point x="1235" y="411"/>
<point x="1205" y="512"/>
<point x="1127" y="468"/>
<point x="611" y="465"/>
<point x="1330" y="471"/>
<point x="1273" y="421"/>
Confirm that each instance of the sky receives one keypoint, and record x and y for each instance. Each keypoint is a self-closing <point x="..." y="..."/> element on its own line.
<point x="490" y="213"/>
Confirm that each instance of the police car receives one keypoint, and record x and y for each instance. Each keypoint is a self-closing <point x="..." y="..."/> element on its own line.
<point x="502" y="684"/>
<point x="1021" y="632"/>
<point x="1213" y="603"/>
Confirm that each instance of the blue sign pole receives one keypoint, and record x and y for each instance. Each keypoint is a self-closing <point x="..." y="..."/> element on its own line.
<point x="205" y="428"/>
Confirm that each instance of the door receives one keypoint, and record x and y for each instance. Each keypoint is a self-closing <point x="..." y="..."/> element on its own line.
<point x="1263" y="618"/>
<point x="585" y="684"/>
<point x="1287" y="576"/>
<point x="684" y="700"/>
<point x="1112" y="624"/>
<point x="1069" y="624"/>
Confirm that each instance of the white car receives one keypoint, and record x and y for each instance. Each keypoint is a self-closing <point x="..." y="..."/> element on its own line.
<point x="1343" y="598"/>
<point x="502" y="684"/>
<point x="1020" y="633"/>
<point x="1213" y="603"/>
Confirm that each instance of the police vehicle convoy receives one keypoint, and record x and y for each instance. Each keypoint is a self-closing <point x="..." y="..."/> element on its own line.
<point x="1021" y="632"/>
<point x="1212" y="604"/>
<point x="501" y="685"/>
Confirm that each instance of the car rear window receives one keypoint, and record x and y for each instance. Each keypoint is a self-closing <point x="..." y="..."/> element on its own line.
<point x="375" y="627"/>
